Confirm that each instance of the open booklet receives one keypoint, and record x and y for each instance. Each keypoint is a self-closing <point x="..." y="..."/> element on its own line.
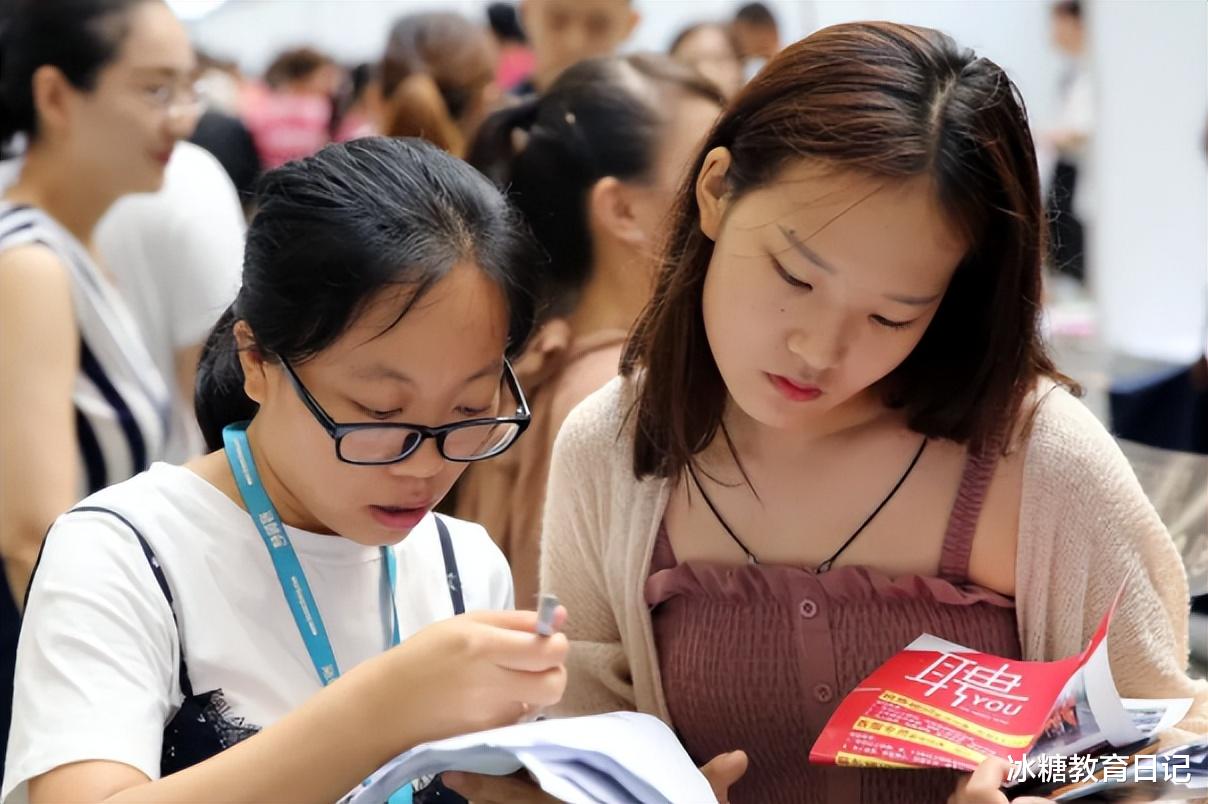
<point x="616" y="758"/>
<point x="938" y="704"/>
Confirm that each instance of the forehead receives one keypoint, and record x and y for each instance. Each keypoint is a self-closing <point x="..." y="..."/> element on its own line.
<point x="891" y="232"/>
<point x="460" y="320"/>
<point x="154" y="40"/>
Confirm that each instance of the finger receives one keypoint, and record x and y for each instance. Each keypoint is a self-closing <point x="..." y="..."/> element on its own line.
<point x="537" y="689"/>
<point x="723" y="771"/>
<point x="962" y="784"/>
<point x="990" y="774"/>
<point x="514" y="620"/>
<point x="483" y="789"/>
<point x="982" y="786"/>
<point x="516" y="650"/>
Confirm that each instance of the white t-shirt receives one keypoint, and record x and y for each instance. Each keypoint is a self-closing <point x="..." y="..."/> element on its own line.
<point x="97" y="662"/>
<point x="177" y="256"/>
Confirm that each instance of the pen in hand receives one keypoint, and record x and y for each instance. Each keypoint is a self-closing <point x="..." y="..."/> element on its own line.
<point x="547" y="609"/>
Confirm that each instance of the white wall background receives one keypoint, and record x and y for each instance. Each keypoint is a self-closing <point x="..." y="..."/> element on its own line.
<point x="1149" y="240"/>
<point x="253" y="31"/>
<point x="1012" y="32"/>
<point x="1149" y="249"/>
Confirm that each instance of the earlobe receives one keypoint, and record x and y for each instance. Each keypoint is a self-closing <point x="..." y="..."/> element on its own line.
<point x="251" y="360"/>
<point x="712" y="191"/>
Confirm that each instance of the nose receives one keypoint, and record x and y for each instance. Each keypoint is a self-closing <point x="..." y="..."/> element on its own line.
<point x="426" y="462"/>
<point x="181" y="120"/>
<point x="822" y="347"/>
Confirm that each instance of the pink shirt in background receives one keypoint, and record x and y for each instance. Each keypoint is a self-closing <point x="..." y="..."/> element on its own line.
<point x="287" y="126"/>
<point x="515" y="65"/>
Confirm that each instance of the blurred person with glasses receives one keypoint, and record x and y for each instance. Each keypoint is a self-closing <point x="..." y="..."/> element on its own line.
<point x="276" y="619"/>
<point x="94" y="95"/>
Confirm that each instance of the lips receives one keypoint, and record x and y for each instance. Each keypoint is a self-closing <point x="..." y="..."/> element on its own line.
<point x="794" y="391"/>
<point x="399" y="517"/>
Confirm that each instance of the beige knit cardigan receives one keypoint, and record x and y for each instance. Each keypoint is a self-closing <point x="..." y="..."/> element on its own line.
<point x="1084" y="522"/>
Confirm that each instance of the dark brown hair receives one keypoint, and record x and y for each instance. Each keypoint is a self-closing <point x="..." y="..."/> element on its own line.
<point x="891" y="101"/>
<point x="294" y="65"/>
<point x="434" y="69"/>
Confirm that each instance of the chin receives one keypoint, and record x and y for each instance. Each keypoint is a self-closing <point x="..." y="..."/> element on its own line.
<point x="780" y="414"/>
<point x="374" y="535"/>
<point x="149" y="180"/>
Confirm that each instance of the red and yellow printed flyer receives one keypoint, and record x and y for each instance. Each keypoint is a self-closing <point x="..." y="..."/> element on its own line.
<point x="938" y="704"/>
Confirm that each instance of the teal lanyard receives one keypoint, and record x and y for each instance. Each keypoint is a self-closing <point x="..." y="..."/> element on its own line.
<point x="285" y="559"/>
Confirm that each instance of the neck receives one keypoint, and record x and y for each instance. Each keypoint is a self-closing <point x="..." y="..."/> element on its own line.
<point x="58" y="188"/>
<point x="614" y="296"/>
<point x="754" y="440"/>
<point x="289" y="507"/>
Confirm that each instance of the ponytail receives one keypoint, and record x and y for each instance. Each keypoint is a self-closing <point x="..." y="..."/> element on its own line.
<point x="218" y="397"/>
<point x="501" y="138"/>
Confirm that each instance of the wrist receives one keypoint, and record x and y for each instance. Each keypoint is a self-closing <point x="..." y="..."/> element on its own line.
<point x="389" y="704"/>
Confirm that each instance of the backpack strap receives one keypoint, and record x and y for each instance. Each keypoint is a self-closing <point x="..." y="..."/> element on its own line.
<point x="451" y="573"/>
<point x="186" y="687"/>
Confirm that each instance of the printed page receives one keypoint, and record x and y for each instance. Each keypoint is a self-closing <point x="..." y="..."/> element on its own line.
<point x="572" y="758"/>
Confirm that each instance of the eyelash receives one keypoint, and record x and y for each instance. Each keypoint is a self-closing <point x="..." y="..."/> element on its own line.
<point x="790" y="279"/>
<point x="885" y="322"/>
<point x="793" y="281"/>
<point x="380" y="415"/>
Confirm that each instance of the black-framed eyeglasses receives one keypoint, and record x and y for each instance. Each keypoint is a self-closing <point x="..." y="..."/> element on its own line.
<point x="373" y="444"/>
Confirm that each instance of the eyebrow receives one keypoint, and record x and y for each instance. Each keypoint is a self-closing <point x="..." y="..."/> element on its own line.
<point x="813" y="256"/>
<point x="161" y="72"/>
<point x="377" y="371"/>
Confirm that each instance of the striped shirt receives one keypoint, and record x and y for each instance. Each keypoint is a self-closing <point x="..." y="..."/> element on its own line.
<point x="121" y="401"/>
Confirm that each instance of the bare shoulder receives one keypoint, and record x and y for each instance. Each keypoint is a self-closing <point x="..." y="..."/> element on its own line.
<point x="993" y="557"/>
<point x="32" y="266"/>
<point x="992" y="560"/>
<point x="1052" y="428"/>
<point x="36" y="312"/>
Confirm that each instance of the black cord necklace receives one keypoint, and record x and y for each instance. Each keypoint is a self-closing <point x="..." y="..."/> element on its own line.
<point x="828" y="563"/>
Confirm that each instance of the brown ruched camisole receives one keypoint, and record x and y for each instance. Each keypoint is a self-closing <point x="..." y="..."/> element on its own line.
<point x="757" y="657"/>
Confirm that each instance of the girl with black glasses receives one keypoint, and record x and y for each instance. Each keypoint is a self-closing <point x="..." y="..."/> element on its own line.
<point x="263" y="598"/>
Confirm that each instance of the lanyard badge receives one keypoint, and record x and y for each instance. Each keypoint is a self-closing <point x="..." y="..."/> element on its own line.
<point x="285" y="559"/>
